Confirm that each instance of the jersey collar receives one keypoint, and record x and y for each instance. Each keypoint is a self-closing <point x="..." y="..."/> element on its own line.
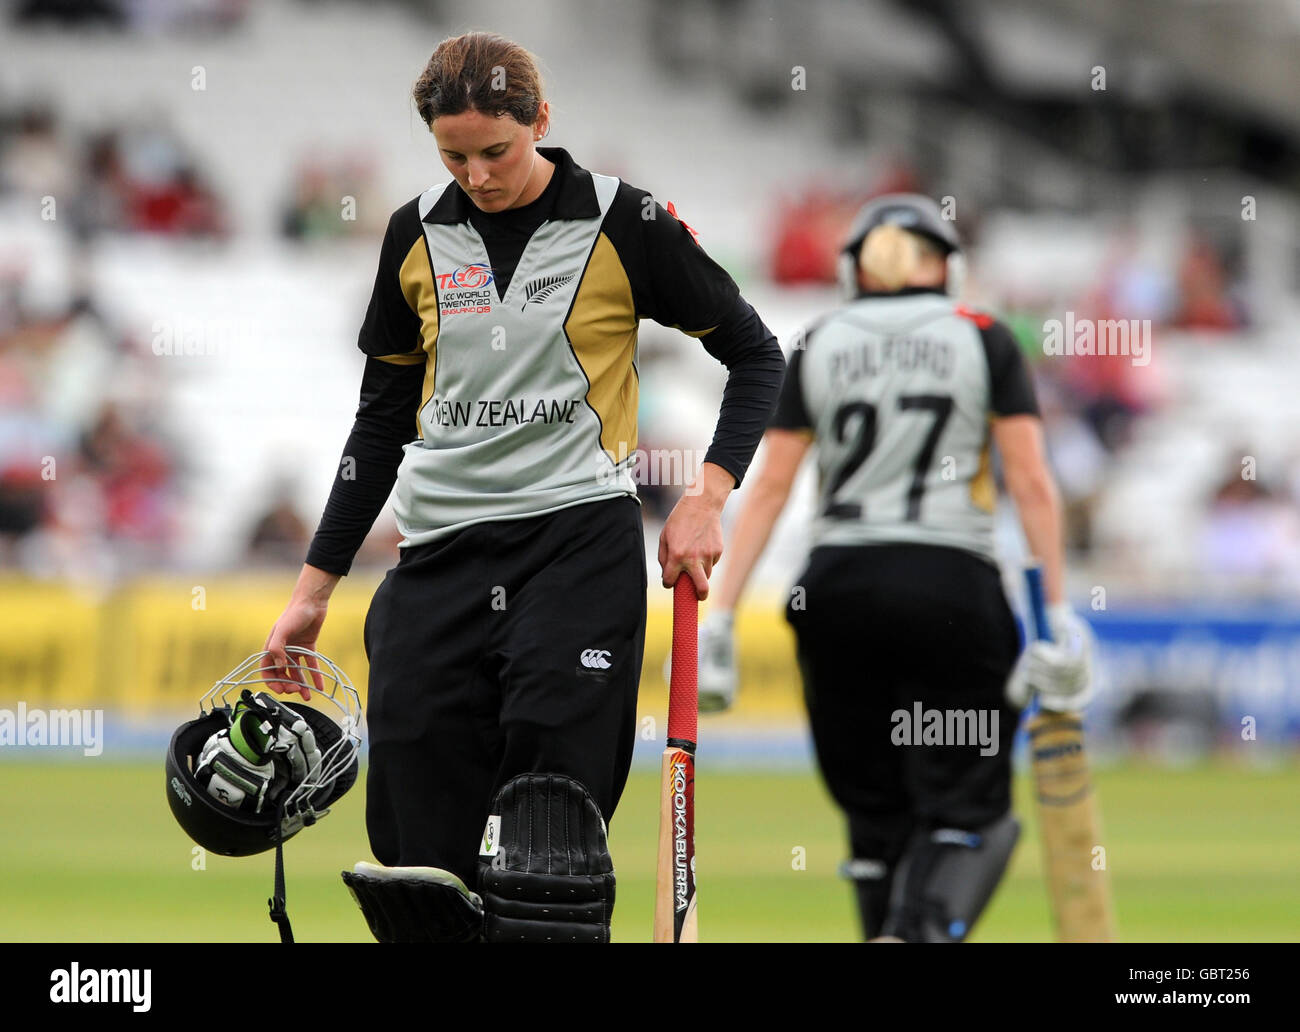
<point x="576" y="198"/>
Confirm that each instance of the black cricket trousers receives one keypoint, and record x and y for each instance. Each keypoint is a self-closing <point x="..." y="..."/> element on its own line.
<point x="879" y="629"/>
<point x="508" y="647"/>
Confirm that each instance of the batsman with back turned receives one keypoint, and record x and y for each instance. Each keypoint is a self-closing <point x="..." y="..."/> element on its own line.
<point x="913" y="674"/>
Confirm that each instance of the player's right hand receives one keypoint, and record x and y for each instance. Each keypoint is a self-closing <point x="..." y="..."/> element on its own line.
<point x="717" y="652"/>
<point x="1059" y="671"/>
<point x="300" y="625"/>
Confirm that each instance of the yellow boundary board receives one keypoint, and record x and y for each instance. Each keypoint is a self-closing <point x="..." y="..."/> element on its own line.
<point x="155" y="645"/>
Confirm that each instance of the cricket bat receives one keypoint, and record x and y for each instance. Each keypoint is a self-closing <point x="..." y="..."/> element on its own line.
<point x="1074" y="859"/>
<point x="675" y="917"/>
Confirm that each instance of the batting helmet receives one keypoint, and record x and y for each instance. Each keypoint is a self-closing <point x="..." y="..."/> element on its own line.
<point x="233" y="831"/>
<point x="915" y="213"/>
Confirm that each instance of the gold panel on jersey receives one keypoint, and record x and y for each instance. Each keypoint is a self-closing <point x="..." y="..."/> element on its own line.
<point x="602" y="327"/>
<point x="416" y="278"/>
<point x="983" y="491"/>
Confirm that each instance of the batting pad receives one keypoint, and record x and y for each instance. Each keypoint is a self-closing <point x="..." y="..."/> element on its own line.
<point x="546" y="875"/>
<point x="415" y="904"/>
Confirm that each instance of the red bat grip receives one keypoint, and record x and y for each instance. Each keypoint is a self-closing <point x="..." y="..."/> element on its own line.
<point x="684" y="683"/>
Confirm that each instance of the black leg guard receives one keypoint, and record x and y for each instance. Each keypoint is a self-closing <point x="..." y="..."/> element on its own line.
<point x="946" y="878"/>
<point x="415" y="904"/>
<point x="871" y="881"/>
<point x="546" y="873"/>
<point x="877" y="842"/>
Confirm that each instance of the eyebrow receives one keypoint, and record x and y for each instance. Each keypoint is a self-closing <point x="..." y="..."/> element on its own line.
<point x="500" y="143"/>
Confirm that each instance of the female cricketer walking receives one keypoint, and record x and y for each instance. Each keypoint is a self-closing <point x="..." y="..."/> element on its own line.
<point x="905" y="638"/>
<point x="500" y="394"/>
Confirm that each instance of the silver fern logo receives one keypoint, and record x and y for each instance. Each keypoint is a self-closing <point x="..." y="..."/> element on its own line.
<point x="542" y="289"/>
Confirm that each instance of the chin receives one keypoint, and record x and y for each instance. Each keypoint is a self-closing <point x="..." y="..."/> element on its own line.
<point x="497" y="202"/>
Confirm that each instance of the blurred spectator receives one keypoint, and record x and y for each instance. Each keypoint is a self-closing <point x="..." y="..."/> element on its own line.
<point x="1079" y="462"/>
<point x="25" y="440"/>
<point x="280" y="536"/>
<point x="36" y="162"/>
<point x="1205" y="302"/>
<point x="1250" y="531"/>
<point x="332" y="198"/>
<point x="141" y="180"/>
<point x="135" y="475"/>
<point x="811" y="230"/>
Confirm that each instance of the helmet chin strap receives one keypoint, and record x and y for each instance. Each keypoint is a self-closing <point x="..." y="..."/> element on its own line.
<point x="279" y="909"/>
<point x="956" y="277"/>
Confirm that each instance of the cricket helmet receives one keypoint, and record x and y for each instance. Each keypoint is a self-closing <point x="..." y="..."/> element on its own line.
<point x="915" y="213"/>
<point x="228" y="831"/>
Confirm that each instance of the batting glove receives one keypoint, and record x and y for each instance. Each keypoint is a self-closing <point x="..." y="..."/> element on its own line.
<point x="232" y="778"/>
<point x="717" y="653"/>
<point x="1059" y="671"/>
<point x="294" y="749"/>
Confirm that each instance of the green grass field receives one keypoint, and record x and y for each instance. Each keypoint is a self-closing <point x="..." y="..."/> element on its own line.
<point x="1203" y="854"/>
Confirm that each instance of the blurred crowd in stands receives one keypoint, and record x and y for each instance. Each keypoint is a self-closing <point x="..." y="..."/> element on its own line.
<point x="88" y="474"/>
<point x="86" y="471"/>
<point x="88" y="485"/>
<point x="130" y="179"/>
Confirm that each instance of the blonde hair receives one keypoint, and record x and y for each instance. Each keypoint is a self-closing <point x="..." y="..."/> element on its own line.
<point x="890" y="255"/>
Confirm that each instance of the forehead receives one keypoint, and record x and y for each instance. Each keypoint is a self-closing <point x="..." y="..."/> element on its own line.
<point x="472" y="130"/>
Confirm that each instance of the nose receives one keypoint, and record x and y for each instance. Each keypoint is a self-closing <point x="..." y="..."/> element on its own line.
<point x="478" y="175"/>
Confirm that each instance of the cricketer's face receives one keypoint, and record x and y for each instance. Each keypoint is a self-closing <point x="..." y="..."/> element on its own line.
<point x="491" y="157"/>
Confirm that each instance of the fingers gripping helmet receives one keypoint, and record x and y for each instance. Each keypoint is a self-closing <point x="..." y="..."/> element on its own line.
<point x="230" y="828"/>
<point x="914" y="212"/>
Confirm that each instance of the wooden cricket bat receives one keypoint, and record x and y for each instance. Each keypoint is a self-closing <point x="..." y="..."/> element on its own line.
<point x="675" y="916"/>
<point x="1078" y="884"/>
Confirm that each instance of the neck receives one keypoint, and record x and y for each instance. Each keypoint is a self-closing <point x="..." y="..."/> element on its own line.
<point x="538" y="178"/>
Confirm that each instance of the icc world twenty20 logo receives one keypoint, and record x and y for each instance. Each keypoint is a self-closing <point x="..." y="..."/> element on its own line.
<point x="467" y="277"/>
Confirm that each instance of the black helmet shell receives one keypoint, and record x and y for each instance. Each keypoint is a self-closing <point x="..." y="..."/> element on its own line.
<point x="217" y="827"/>
<point x="913" y="212"/>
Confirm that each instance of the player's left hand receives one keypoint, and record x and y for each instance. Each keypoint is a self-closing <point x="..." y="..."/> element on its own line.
<point x="1058" y="671"/>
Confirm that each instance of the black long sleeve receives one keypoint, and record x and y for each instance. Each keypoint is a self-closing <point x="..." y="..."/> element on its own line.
<point x="385" y="421"/>
<point x="675" y="283"/>
<point x="755" y="368"/>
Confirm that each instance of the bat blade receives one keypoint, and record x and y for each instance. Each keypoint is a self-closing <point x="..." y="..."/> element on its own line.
<point x="675" y="901"/>
<point x="675" y="914"/>
<point x="1075" y="863"/>
<point x="1074" y="858"/>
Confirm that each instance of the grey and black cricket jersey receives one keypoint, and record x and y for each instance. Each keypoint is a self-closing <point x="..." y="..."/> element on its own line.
<point x="502" y="358"/>
<point x="506" y="427"/>
<point x="899" y="390"/>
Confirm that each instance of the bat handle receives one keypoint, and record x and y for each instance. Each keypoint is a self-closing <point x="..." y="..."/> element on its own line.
<point x="684" y="683"/>
<point x="1038" y="602"/>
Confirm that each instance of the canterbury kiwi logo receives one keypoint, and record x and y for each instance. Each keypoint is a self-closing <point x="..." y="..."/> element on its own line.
<point x="541" y="290"/>
<point x="595" y="659"/>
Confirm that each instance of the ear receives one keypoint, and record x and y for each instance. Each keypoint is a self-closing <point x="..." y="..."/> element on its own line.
<point x="542" y="123"/>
